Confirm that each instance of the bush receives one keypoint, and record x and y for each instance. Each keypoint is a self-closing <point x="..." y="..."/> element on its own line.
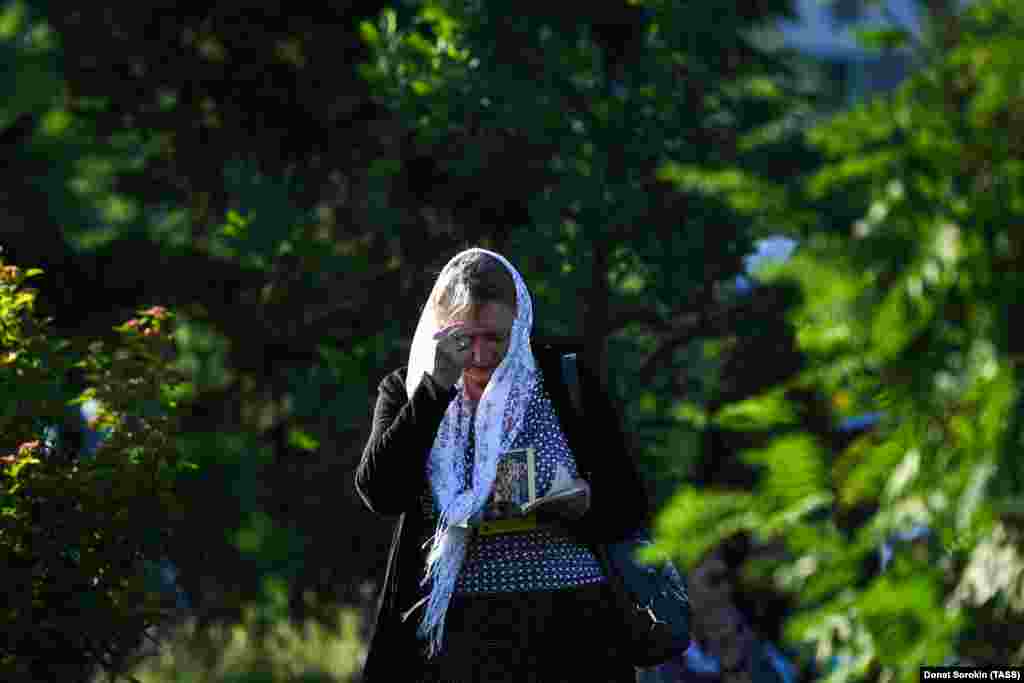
<point x="80" y="535"/>
<point x="264" y="646"/>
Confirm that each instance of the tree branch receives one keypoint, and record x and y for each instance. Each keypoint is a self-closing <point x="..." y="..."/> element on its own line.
<point x="709" y="319"/>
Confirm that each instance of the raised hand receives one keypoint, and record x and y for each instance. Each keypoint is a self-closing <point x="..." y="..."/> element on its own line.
<point x="453" y="355"/>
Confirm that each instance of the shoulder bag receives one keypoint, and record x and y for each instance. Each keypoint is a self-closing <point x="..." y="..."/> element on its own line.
<point x="651" y="597"/>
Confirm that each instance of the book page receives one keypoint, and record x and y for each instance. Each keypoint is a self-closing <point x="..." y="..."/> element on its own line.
<point x="561" y="498"/>
<point x="564" y="493"/>
<point x="562" y="480"/>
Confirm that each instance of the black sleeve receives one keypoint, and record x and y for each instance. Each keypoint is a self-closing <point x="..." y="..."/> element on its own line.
<point x="618" y="499"/>
<point x="392" y="472"/>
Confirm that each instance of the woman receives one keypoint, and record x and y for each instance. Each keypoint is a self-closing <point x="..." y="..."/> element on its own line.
<point x="458" y="606"/>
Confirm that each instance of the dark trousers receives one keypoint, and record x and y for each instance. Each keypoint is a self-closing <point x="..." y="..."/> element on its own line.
<point x="560" y="636"/>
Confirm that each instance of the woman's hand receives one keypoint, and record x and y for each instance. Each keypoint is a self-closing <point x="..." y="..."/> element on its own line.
<point x="452" y="356"/>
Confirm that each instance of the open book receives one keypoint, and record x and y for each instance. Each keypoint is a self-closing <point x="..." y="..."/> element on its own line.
<point x="514" y="501"/>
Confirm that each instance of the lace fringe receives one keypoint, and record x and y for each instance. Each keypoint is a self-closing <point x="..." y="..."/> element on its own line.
<point x="443" y="564"/>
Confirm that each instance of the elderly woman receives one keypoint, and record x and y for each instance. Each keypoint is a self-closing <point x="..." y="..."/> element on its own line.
<point x="458" y="605"/>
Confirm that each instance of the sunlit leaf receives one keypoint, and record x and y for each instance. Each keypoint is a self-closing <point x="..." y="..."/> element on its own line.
<point x="302" y="440"/>
<point x="762" y="412"/>
<point x="883" y="38"/>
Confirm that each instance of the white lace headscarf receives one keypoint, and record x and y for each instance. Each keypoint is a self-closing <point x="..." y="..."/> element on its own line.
<point x="499" y="417"/>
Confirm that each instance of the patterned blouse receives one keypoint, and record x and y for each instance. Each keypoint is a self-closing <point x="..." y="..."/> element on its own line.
<point x="546" y="558"/>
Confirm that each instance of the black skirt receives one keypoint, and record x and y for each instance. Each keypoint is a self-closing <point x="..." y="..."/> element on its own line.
<point x="556" y="636"/>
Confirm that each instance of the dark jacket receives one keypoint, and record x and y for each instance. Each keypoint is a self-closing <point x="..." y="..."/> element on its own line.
<point x="392" y="475"/>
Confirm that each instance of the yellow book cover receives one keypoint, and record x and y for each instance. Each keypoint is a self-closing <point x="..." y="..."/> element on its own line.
<point x="515" y="487"/>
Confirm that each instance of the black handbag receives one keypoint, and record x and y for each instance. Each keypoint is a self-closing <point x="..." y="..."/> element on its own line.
<point x="651" y="597"/>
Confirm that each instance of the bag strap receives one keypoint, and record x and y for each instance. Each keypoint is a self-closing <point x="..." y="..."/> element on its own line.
<point x="570" y="373"/>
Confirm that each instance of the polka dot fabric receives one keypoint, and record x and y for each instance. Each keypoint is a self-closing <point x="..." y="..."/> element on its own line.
<point x="542" y="559"/>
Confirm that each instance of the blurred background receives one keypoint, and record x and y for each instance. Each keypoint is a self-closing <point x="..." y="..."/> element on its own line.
<point x="788" y="233"/>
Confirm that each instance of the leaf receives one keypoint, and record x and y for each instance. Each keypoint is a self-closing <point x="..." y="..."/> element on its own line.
<point x="892" y="329"/>
<point x="368" y="32"/>
<point x="17" y="467"/>
<point x="902" y="475"/>
<point x="12" y="18"/>
<point x="251" y="538"/>
<point x="795" y="472"/>
<point x="24" y="300"/>
<point x="694" y="521"/>
<point x="869" y="468"/>
<point x="784" y="520"/>
<point x="883" y="38"/>
<point x="973" y="496"/>
<point x="853" y="170"/>
<point x="690" y="413"/>
<point x="302" y="440"/>
<point x="762" y="412"/>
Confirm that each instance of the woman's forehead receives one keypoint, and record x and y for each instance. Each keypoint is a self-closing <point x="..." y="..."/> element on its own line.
<point x="491" y="317"/>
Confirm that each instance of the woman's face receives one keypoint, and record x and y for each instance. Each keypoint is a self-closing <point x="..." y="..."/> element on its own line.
<point x="490" y="336"/>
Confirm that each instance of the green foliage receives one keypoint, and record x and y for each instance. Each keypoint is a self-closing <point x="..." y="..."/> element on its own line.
<point x="761" y="412"/>
<point x="625" y="159"/>
<point x="904" y="314"/>
<point x="94" y="526"/>
<point x="263" y="646"/>
<point x="76" y="525"/>
<point x="202" y="357"/>
<point x="695" y="521"/>
<point x="546" y="98"/>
